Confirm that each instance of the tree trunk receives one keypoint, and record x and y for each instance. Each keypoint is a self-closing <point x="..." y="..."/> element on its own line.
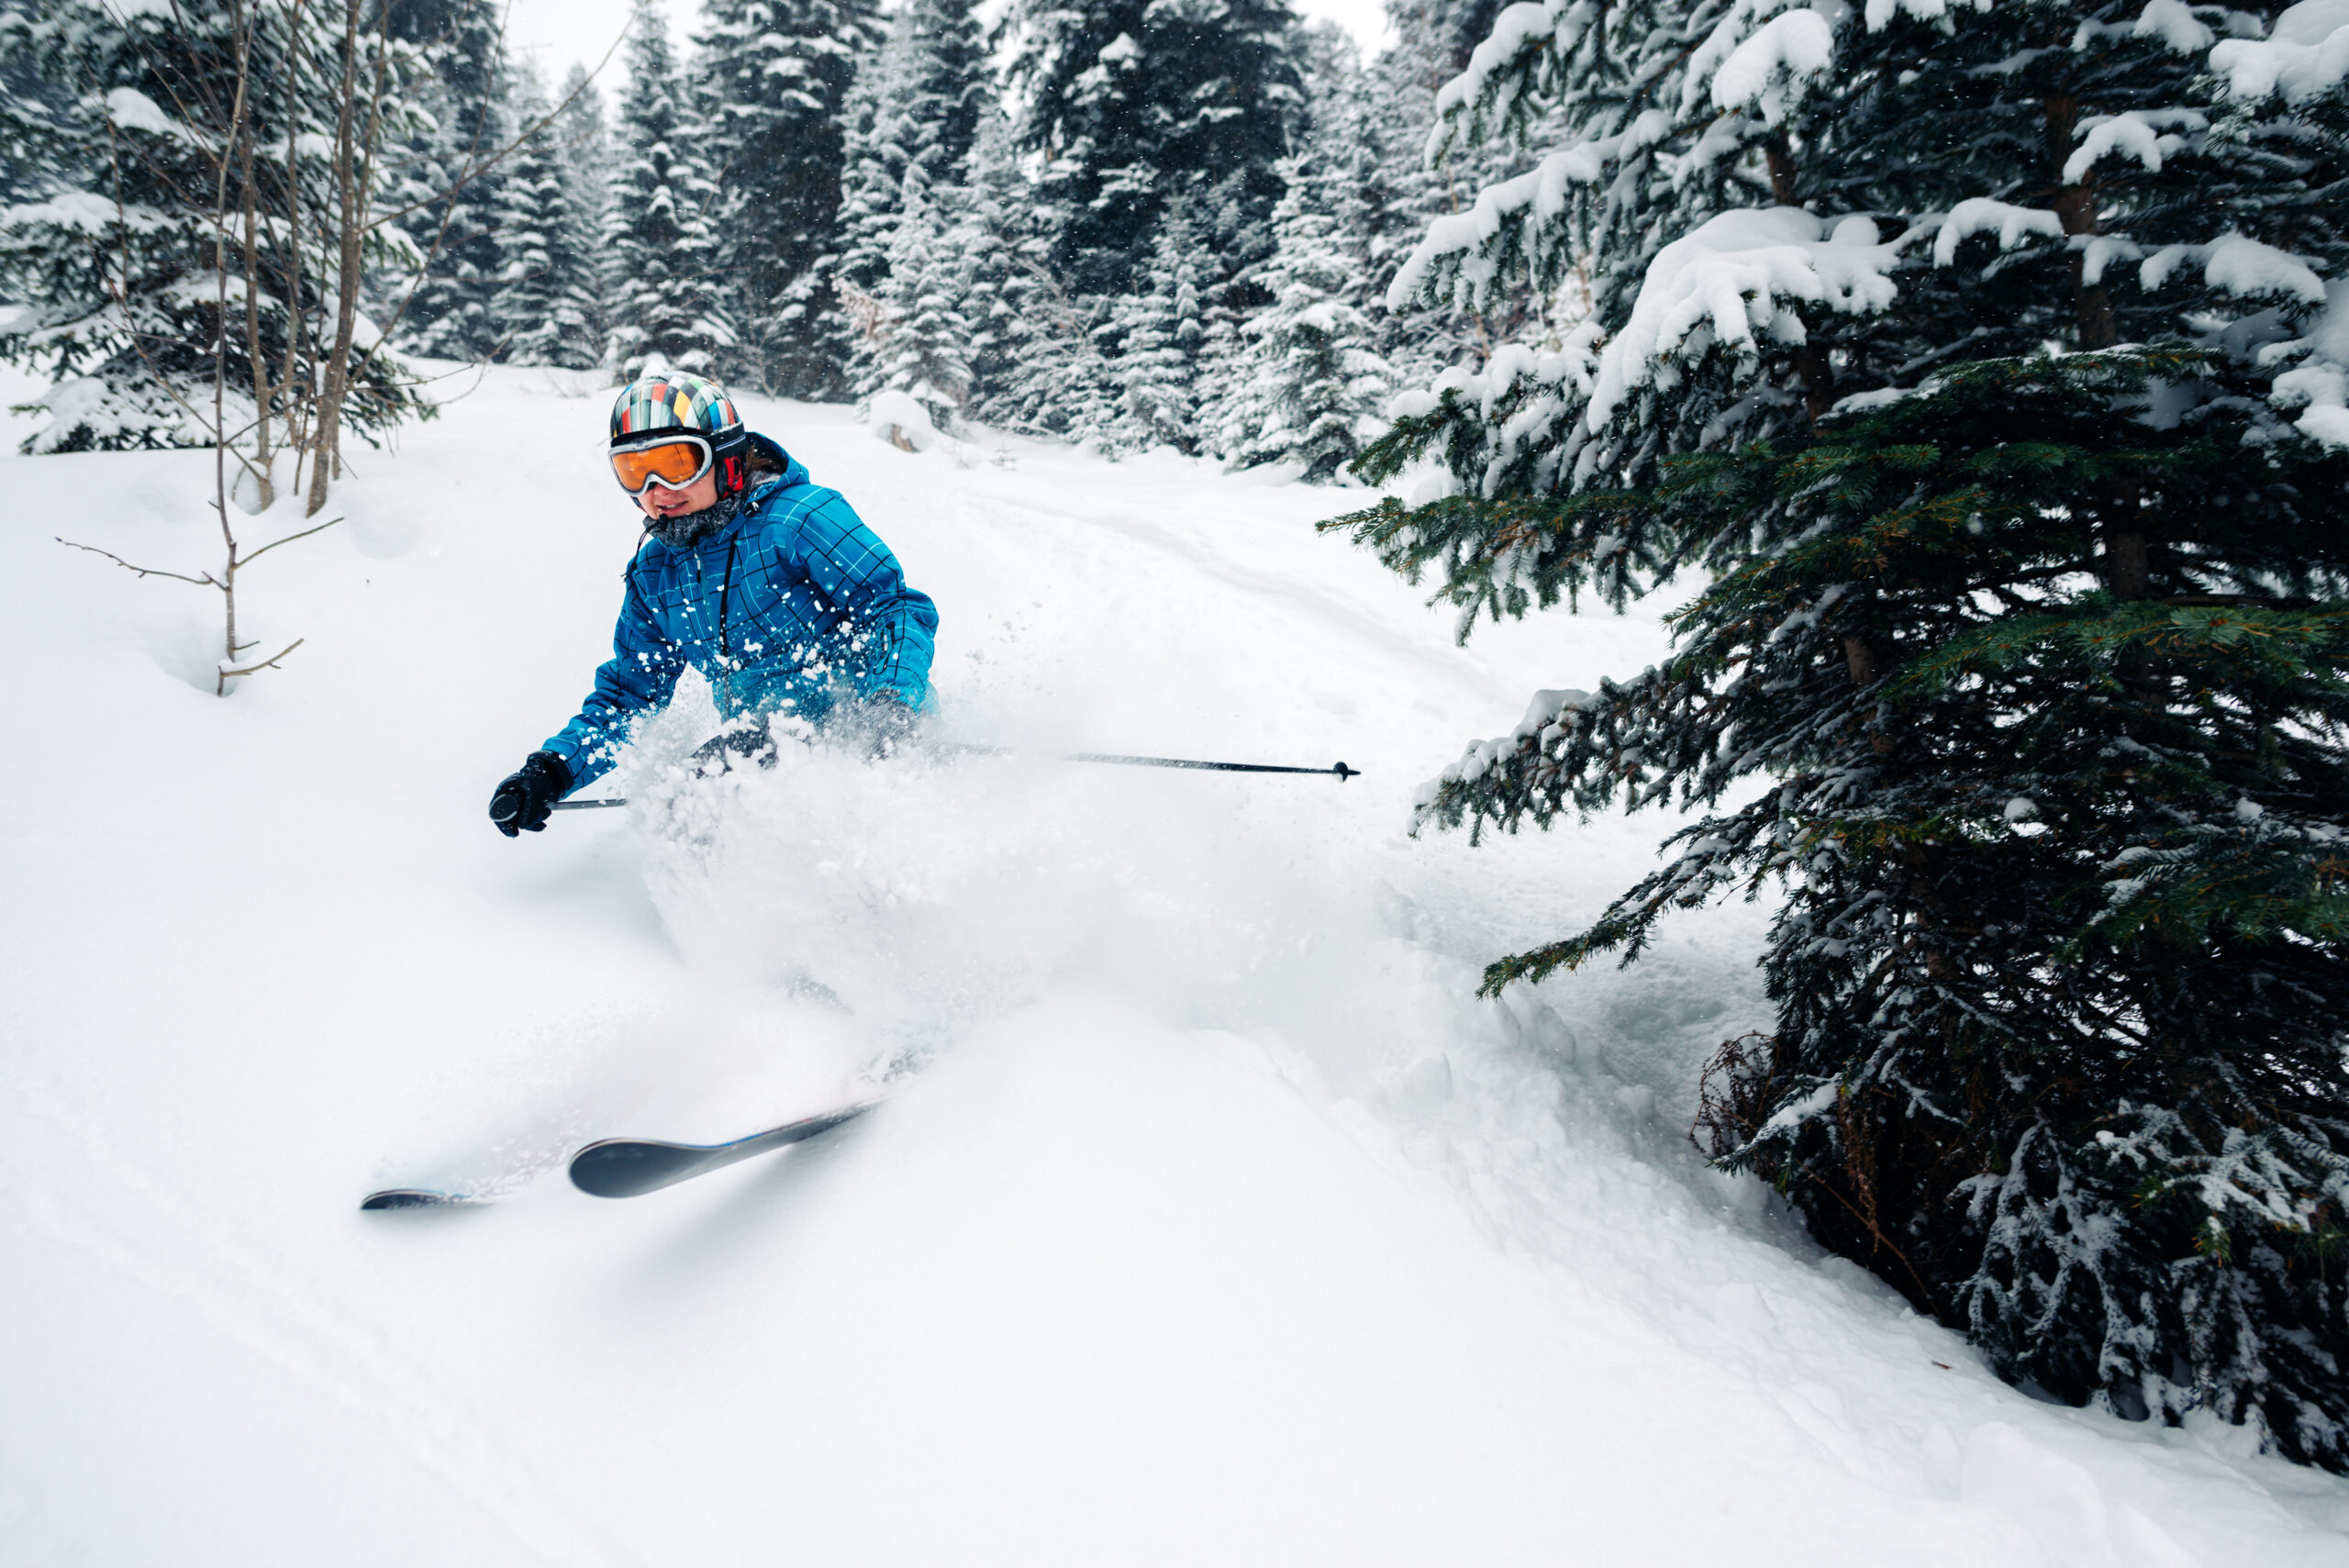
<point x="1812" y="363"/>
<point x="349" y="229"/>
<point x="2075" y="209"/>
<point x="2128" y="564"/>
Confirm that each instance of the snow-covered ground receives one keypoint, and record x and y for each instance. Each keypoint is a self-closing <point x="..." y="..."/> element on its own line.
<point x="1223" y="1225"/>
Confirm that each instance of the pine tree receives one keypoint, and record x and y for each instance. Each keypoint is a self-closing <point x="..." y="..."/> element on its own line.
<point x="924" y="341"/>
<point x="545" y="302"/>
<point x="120" y="279"/>
<point x="917" y="102"/>
<point x="453" y="313"/>
<point x="582" y="146"/>
<point x="771" y="79"/>
<point x="660" y="251"/>
<point x="1390" y="107"/>
<point x="1131" y="102"/>
<point x="1033" y="364"/>
<point x="1314" y="382"/>
<point x="1978" y="358"/>
<point x="1160" y="338"/>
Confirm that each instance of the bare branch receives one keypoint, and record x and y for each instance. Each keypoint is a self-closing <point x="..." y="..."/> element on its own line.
<point x="289" y="539"/>
<point x="471" y="171"/>
<point x="206" y="581"/>
<point x="221" y="687"/>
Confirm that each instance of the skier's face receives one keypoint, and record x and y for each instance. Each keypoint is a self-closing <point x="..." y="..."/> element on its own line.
<point x="659" y="501"/>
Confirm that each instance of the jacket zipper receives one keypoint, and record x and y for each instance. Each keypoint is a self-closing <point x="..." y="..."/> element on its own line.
<point x="726" y="592"/>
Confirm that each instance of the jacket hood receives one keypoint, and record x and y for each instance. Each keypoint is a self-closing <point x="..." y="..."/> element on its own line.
<point x="768" y="453"/>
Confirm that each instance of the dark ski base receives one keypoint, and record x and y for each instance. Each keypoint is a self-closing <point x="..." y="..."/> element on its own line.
<point x="630" y="1167"/>
<point x="416" y="1197"/>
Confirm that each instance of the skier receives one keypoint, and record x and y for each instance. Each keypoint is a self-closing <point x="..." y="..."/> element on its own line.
<point x="767" y="584"/>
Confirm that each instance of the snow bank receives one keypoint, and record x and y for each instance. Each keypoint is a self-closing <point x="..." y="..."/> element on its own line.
<point x="901" y="420"/>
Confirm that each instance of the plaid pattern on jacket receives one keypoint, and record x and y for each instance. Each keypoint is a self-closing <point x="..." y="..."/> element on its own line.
<point x="789" y="607"/>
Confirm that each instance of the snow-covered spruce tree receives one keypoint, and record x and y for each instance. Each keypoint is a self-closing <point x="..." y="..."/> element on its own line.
<point x="1391" y="105"/>
<point x="544" y="308"/>
<point x="923" y="344"/>
<point x="453" y="166"/>
<point x="123" y="272"/>
<point x="1160" y="335"/>
<point x="1130" y="101"/>
<point x="661" y="281"/>
<point x="1982" y="359"/>
<point x="771" y="78"/>
<point x="1313" y="384"/>
<point x="916" y="102"/>
<point x="583" y="145"/>
<point x="1033" y="364"/>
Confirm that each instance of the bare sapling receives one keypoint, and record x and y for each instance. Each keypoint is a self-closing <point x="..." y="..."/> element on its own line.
<point x="284" y="236"/>
<point x="235" y="200"/>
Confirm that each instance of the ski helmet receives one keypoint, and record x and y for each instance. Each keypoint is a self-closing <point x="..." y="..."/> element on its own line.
<point x="678" y="400"/>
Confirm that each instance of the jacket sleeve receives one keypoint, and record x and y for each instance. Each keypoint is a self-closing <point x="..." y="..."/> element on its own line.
<point x="891" y="628"/>
<point x="639" y="677"/>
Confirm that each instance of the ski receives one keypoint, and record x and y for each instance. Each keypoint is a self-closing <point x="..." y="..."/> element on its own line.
<point x="630" y="1167"/>
<point x="417" y="1197"/>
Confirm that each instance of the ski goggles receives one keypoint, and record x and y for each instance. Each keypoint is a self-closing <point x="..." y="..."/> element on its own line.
<point x="672" y="459"/>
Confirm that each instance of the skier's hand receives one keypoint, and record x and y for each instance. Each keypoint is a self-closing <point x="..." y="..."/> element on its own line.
<point x="724" y="753"/>
<point x="528" y="793"/>
<point x="877" y="725"/>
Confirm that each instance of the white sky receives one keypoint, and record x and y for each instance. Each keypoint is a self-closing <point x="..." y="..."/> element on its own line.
<point x="560" y="32"/>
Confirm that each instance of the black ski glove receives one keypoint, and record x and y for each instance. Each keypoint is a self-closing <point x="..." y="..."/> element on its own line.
<point x="528" y="793"/>
<point x="877" y="725"/>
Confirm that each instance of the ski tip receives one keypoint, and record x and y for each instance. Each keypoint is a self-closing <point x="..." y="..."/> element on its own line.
<point x="631" y="1167"/>
<point x="410" y="1197"/>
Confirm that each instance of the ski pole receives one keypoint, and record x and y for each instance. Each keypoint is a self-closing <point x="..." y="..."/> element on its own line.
<point x="1339" y="772"/>
<point x="1336" y="771"/>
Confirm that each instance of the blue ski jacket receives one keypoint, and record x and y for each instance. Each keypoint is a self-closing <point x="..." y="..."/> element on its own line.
<point x="790" y="607"/>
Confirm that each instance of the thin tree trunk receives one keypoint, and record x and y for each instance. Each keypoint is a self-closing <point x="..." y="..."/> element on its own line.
<point x="2128" y="555"/>
<point x="350" y="221"/>
<point x="225" y="155"/>
<point x="1813" y="364"/>
<point x="2075" y="208"/>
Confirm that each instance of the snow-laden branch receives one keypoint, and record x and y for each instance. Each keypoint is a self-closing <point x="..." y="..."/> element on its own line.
<point x="2307" y="55"/>
<point x="1541" y="188"/>
<point x="1769" y="69"/>
<point x="1982" y="214"/>
<point x="2243" y="266"/>
<point x="2146" y="135"/>
<point x="1736" y="274"/>
<point x="2321" y="386"/>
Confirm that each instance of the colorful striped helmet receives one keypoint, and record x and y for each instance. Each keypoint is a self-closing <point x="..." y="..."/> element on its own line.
<point x="673" y="400"/>
<point x="681" y="401"/>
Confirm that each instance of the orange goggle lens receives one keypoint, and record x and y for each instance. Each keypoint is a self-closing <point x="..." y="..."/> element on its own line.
<point x="675" y="463"/>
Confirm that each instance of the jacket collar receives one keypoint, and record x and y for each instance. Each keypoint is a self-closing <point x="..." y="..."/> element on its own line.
<point x="794" y="472"/>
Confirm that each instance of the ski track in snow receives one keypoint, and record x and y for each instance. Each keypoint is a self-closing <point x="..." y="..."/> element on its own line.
<point x="160" y="1240"/>
<point x="1220" y="1223"/>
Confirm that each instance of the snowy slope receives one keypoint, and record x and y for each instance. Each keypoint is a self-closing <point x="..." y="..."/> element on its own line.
<point x="1223" y="1225"/>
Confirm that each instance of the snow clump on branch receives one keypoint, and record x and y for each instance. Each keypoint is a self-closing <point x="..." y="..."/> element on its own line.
<point x="2307" y="55"/>
<point x="1737" y="272"/>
